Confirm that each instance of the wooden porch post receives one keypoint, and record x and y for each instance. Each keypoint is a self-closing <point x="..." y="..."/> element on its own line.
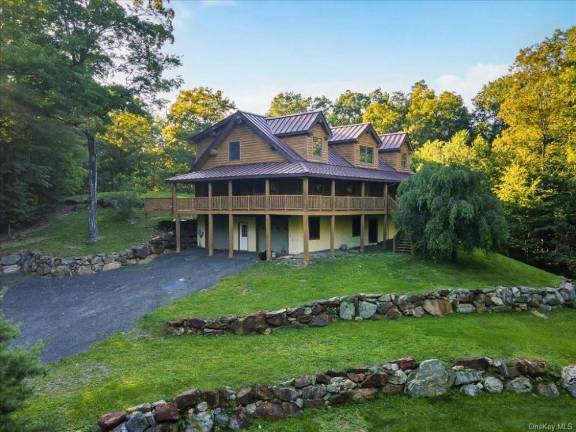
<point x="362" y="219"/>
<point x="268" y="238"/>
<point x="178" y="241"/>
<point x="305" y="226"/>
<point x="210" y="222"/>
<point x="386" y="213"/>
<point x="333" y="217"/>
<point x="268" y="225"/>
<point x="332" y="234"/>
<point x="306" y="235"/>
<point x="305" y="192"/>
<point x="173" y="187"/>
<point x="230" y="222"/>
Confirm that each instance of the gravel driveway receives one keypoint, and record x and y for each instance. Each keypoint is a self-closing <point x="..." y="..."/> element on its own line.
<point x="70" y="314"/>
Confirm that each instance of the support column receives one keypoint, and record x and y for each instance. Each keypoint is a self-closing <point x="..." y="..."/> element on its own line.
<point x="173" y="187"/>
<point x="362" y="219"/>
<point x="332" y="234"/>
<point x="210" y="238"/>
<point x="230" y="235"/>
<point x="305" y="192"/>
<point x="306" y="235"/>
<point x="333" y="217"/>
<point x="268" y="238"/>
<point x="362" y="231"/>
<point x="386" y="213"/>
<point x="230" y="222"/>
<point x="178" y="240"/>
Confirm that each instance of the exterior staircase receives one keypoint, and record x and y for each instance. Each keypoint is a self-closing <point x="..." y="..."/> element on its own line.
<point x="402" y="244"/>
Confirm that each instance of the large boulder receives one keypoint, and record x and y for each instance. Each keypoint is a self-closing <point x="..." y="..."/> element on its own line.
<point x="521" y="384"/>
<point x="139" y="422"/>
<point x="12" y="259"/>
<point x="569" y="379"/>
<point x="438" y="307"/>
<point x="431" y="379"/>
<point x="366" y="309"/>
<point x="548" y="390"/>
<point x="467" y="377"/>
<point x="347" y="310"/>
<point x="493" y="384"/>
<point x="111" y="420"/>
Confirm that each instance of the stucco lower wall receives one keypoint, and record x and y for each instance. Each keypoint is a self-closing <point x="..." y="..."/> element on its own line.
<point x="221" y="231"/>
<point x="343" y="233"/>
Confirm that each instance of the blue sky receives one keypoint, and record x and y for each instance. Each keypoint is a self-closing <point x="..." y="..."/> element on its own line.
<point x="254" y="49"/>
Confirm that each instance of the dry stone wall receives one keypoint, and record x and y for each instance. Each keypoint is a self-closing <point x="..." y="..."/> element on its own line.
<point x="46" y="265"/>
<point x="227" y="409"/>
<point x="383" y="306"/>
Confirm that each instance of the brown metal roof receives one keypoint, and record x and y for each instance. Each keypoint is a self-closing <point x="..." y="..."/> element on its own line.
<point x="351" y="133"/>
<point x="393" y="141"/>
<point x="295" y="166"/>
<point x="290" y="169"/>
<point x="297" y="124"/>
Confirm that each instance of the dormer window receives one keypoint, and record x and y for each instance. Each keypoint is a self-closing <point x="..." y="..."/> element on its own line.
<point x="234" y="151"/>
<point x="366" y="155"/>
<point x="317" y="147"/>
<point x="404" y="161"/>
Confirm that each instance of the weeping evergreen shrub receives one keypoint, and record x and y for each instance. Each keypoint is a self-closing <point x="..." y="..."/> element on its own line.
<point x="443" y="209"/>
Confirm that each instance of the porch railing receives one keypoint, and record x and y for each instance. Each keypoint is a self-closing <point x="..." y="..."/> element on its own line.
<point x="271" y="202"/>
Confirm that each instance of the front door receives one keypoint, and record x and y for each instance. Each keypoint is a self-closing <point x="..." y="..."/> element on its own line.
<point x="243" y="234"/>
<point x="372" y="230"/>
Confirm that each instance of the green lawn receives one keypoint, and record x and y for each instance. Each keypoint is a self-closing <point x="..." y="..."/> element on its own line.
<point x="66" y="234"/>
<point x="454" y="412"/>
<point x="144" y="365"/>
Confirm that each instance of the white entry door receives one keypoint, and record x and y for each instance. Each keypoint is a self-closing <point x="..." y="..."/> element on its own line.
<point x="243" y="233"/>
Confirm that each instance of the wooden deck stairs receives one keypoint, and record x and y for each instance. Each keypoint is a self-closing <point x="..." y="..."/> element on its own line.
<point x="402" y="245"/>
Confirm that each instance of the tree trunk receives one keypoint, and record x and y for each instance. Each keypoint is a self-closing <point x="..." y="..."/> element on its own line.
<point x="92" y="184"/>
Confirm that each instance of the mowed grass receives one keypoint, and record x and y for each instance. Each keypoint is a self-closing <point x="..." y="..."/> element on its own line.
<point x="454" y="412"/>
<point x="278" y="285"/>
<point x="67" y="234"/>
<point x="145" y="365"/>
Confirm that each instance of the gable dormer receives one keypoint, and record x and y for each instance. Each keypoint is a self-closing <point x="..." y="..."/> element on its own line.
<point x="306" y="133"/>
<point x="241" y="138"/>
<point x="395" y="150"/>
<point x="357" y="143"/>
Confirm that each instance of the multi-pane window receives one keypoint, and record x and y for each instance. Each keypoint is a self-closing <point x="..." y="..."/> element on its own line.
<point x="234" y="151"/>
<point x="317" y="147"/>
<point x="355" y="226"/>
<point x="366" y="154"/>
<point x="314" y="227"/>
<point x="404" y="161"/>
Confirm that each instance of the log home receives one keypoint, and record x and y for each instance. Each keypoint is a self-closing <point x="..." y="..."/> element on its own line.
<point x="292" y="185"/>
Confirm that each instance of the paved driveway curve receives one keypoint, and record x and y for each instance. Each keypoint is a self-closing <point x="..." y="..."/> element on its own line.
<point x="71" y="314"/>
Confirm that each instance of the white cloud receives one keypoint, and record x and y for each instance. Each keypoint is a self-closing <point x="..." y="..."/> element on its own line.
<point x="472" y="81"/>
<point x="214" y="3"/>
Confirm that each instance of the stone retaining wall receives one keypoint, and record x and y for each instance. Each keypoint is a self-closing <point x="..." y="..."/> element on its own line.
<point x="383" y="306"/>
<point x="226" y="409"/>
<point x="47" y="265"/>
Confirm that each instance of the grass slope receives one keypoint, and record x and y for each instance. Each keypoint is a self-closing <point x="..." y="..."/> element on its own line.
<point x="453" y="412"/>
<point x="142" y="365"/>
<point x="66" y="234"/>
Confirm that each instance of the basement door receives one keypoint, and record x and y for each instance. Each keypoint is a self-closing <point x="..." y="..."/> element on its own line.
<point x="372" y="230"/>
<point x="243" y="236"/>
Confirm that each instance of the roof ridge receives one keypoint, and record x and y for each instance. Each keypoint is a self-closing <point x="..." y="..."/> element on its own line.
<point x="353" y="124"/>
<point x="394" y="133"/>
<point x="293" y="115"/>
<point x="251" y="113"/>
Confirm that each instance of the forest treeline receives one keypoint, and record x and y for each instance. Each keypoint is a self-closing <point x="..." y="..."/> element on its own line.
<point x="57" y="96"/>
